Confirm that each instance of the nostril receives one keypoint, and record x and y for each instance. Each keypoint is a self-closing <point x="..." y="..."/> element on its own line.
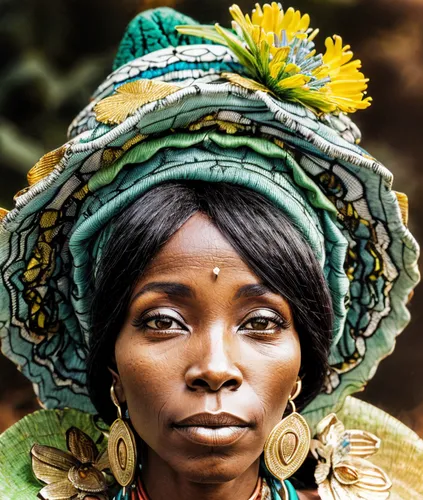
<point x="214" y="385"/>
<point x="232" y="383"/>
<point x="198" y="382"/>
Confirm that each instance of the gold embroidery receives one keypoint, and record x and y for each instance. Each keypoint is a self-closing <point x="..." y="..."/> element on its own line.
<point x="45" y="165"/>
<point x="403" y="205"/>
<point x="129" y="98"/>
<point x="3" y="213"/>
<point x="110" y="155"/>
<point x="245" y="83"/>
<point x="213" y="120"/>
<point x="68" y="475"/>
<point x="342" y="470"/>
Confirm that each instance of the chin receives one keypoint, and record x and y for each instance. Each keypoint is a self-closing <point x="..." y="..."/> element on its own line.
<point x="214" y="469"/>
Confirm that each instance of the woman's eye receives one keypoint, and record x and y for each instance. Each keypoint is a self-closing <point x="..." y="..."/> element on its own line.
<point x="158" y="322"/>
<point x="162" y="324"/>
<point x="259" y="324"/>
<point x="263" y="323"/>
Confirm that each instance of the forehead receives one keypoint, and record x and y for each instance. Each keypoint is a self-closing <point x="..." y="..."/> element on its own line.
<point x="197" y="245"/>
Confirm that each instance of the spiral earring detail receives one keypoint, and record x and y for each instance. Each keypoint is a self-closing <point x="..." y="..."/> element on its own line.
<point x="288" y="444"/>
<point x="121" y="447"/>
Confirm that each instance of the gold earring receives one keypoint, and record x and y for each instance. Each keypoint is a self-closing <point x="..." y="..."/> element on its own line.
<point x="121" y="447"/>
<point x="288" y="444"/>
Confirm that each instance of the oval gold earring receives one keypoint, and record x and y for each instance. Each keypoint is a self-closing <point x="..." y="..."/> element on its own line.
<point x="121" y="447"/>
<point x="288" y="444"/>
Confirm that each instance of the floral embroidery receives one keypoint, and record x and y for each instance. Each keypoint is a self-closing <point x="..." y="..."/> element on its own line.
<point x="77" y="474"/>
<point x="342" y="471"/>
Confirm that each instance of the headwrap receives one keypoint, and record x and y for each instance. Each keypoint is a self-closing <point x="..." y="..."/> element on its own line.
<point x="178" y="107"/>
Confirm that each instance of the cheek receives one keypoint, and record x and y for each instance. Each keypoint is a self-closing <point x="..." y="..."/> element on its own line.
<point x="275" y="374"/>
<point x="148" y="382"/>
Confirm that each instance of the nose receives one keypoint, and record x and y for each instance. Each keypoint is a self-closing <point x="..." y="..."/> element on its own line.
<point x="213" y="368"/>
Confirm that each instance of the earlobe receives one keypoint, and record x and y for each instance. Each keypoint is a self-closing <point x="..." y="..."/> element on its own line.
<point x="117" y="383"/>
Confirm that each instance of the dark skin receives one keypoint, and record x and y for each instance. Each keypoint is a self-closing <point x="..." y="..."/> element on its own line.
<point x="194" y="346"/>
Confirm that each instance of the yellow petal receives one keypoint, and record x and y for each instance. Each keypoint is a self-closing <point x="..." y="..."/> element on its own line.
<point x="304" y="23"/>
<point x="290" y="68"/>
<point x="289" y="15"/>
<point x="279" y="54"/>
<point x="257" y="15"/>
<point x="293" y="82"/>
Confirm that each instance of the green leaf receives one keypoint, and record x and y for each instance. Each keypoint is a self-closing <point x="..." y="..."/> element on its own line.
<point x="236" y="45"/>
<point x="312" y="100"/>
<point x="264" y="59"/>
<point x="207" y="32"/>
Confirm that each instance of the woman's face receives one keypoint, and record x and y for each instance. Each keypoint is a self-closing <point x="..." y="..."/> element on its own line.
<point x="205" y="364"/>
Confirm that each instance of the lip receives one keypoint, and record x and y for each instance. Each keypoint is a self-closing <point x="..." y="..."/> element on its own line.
<point x="206" y="419"/>
<point x="212" y="429"/>
<point x="212" y="436"/>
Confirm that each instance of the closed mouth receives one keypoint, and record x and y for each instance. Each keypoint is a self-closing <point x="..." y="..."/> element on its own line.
<point x="221" y="419"/>
<point x="208" y="429"/>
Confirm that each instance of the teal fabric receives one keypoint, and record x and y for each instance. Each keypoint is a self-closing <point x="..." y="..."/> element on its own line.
<point x="153" y="30"/>
<point x="340" y="198"/>
<point x="276" y="486"/>
<point x="291" y="491"/>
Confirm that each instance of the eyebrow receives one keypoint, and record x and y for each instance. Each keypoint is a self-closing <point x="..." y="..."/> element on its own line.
<point x="184" y="291"/>
<point x="168" y="288"/>
<point x="253" y="290"/>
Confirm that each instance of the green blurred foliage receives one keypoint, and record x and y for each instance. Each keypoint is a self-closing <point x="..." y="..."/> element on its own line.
<point x="53" y="53"/>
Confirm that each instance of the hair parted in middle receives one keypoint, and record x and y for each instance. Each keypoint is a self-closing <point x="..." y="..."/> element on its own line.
<point x="261" y="234"/>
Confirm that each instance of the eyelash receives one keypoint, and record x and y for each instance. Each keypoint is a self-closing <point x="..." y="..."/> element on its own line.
<point x="141" y="323"/>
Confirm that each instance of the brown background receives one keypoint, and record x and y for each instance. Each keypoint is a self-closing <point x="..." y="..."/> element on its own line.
<point x="53" y="53"/>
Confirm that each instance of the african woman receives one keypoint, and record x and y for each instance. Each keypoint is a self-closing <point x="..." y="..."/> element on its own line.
<point x="199" y="279"/>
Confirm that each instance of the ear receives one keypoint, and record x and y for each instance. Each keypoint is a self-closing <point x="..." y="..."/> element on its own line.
<point x="117" y="382"/>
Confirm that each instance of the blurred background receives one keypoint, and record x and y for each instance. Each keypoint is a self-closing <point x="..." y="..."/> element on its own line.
<point x="54" y="53"/>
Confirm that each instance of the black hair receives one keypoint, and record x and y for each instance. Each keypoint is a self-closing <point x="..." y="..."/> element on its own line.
<point x="261" y="234"/>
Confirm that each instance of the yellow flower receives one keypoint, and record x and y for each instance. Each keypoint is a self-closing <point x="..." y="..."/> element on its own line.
<point x="276" y="48"/>
<point x="347" y="84"/>
<point x="272" y="19"/>
<point x="270" y="24"/>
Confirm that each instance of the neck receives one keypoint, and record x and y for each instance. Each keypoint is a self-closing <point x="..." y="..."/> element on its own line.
<point x="161" y="483"/>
